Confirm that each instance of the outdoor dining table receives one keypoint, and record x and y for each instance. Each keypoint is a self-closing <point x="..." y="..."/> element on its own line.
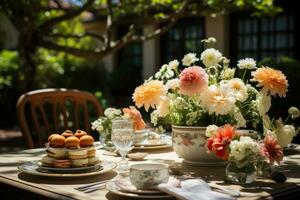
<point x="19" y="185"/>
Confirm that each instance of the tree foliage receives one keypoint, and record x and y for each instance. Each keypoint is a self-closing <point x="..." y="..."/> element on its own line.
<point x="58" y="24"/>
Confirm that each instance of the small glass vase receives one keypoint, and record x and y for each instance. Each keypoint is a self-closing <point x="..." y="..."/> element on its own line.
<point x="240" y="175"/>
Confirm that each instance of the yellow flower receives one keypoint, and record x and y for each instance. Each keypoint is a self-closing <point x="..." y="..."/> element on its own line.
<point x="149" y="94"/>
<point x="272" y="80"/>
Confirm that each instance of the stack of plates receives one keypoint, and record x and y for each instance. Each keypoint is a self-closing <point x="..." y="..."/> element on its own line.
<point x="154" y="143"/>
<point x="123" y="187"/>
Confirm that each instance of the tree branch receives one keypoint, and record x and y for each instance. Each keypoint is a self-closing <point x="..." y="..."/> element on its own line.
<point x="116" y="45"/>
<point x="78" y="36"/>
<point x="53" y="21"/>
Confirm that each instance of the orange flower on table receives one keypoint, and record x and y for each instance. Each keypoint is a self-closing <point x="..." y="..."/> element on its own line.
<point x="272" y="80"/>
<point x="271" y="150"/>
<point x="192" y="80"/>
<point x="149" y="94"/>
<point x="135" y="116"/>
<point x="219" y="143"/>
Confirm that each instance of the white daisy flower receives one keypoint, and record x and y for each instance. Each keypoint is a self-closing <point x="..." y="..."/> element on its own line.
<point x="247" y="63"/>
<point x="189" y="59"/>
<point x="173" y="64"/>
<point x="211" y="57"/>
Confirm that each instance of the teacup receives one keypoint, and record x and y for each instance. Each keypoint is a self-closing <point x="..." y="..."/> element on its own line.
<point x="148" y="175"/>
<point x="140" y="136"/>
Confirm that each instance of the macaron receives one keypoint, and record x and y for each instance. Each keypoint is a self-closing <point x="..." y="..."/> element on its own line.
<point x="67" y="133"/>
<point x="48" y="161"/>
<point x="86" y="141"/>
<point x="57" y="141"/>
<point x="77" y="154"/>
<point x="91" y="151"/>
<point x="80" y="133"/>
<point x="93" y="161"/>
<point x="80" y="162"/>
<point x="72" y="142"/>
<point x="58" y="153"/>
<point x="62" y="163"/>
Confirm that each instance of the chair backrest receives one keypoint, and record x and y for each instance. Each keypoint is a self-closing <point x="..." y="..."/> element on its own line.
<point x="46" y="111"/>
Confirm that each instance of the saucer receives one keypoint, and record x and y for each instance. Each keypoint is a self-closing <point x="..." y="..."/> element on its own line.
<point x="114" y="188"/>
<point x="125" y="185"/>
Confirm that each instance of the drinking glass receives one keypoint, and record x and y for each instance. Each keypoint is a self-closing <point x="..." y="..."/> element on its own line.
<point x="122" y="136"/>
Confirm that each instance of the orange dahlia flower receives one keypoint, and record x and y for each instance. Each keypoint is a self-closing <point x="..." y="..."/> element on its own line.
<point x="219" y="143"/>
<point x="149" y="94"/>
<point x="272" y="80"/>
<point x="135" y="116"/>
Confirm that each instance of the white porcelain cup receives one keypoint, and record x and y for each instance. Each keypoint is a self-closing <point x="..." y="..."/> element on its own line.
<point x="140" y="136"/>
<point x="148" y="175"/>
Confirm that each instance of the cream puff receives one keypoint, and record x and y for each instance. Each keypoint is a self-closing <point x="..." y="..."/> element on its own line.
<point x="57" y="141"/>
<point x="62" y="163"/>
<point x="48" y="161"/>
<point x="50" y="137"/>
<point x="72" y="142"/>
<point x="93" y="161"/>
<point x="86" y="141"/>
<point x="77" y="154"/>
<point x="80" y="162"/>
<point x="58" y="153"/>
<point x="67" y="133"/>
<point x="79" y="133"/>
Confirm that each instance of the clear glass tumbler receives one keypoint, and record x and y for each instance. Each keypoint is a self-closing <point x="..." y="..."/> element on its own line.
<point x="122" y="136"/>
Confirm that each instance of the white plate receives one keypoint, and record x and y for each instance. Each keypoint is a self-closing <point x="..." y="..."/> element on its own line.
<point x="31" y="167"/>
<point x="149" y="144"/>
<point x="72" y="170"/>
<point x="152" y="147"/>
<point x="112" y="187"/>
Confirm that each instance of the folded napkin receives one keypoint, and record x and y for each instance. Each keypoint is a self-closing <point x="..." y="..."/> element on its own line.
<point x="193" y="189"/>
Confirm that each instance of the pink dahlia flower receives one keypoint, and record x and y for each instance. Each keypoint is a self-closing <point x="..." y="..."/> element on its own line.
<point x="271" y="150"/>
<point x="193" y="80"/>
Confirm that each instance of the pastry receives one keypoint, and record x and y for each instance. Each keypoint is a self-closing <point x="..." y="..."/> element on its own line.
<point x="48" y="161"/>
<point x="79" y="133"/>
<point x="77" y="154"/>
<point x="86" y="141"/>
<point x="62" y="163"/>
<point x="80" y="162"/>
<point x="91" y="151"/>
<point x="93" y="161"/>
<point x="57" y="152"/>
<point x="67" y="133"/>
<point x="57" y="141"/>
<point x="50" y="137"/>
<point x="72" y="142"/>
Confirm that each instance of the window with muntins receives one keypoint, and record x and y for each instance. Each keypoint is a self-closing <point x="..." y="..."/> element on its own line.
<point x="183" y="38"/>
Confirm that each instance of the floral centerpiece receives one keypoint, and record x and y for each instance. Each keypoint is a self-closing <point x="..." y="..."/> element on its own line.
<point x="244" y="153"/>
<point x="207" y="91"/>
<point x="104" y="124"/>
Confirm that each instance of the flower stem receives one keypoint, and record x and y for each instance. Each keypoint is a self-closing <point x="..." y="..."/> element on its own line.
<point x="245" y="71"/>
<point x="285" y="121"/>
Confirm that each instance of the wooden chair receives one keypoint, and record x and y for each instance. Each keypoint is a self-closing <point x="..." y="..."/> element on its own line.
<point x="47" y="111"/>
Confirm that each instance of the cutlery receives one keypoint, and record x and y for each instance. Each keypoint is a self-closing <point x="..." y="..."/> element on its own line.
<point x="85" y="187"/>
<point x="94" y="188"/>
